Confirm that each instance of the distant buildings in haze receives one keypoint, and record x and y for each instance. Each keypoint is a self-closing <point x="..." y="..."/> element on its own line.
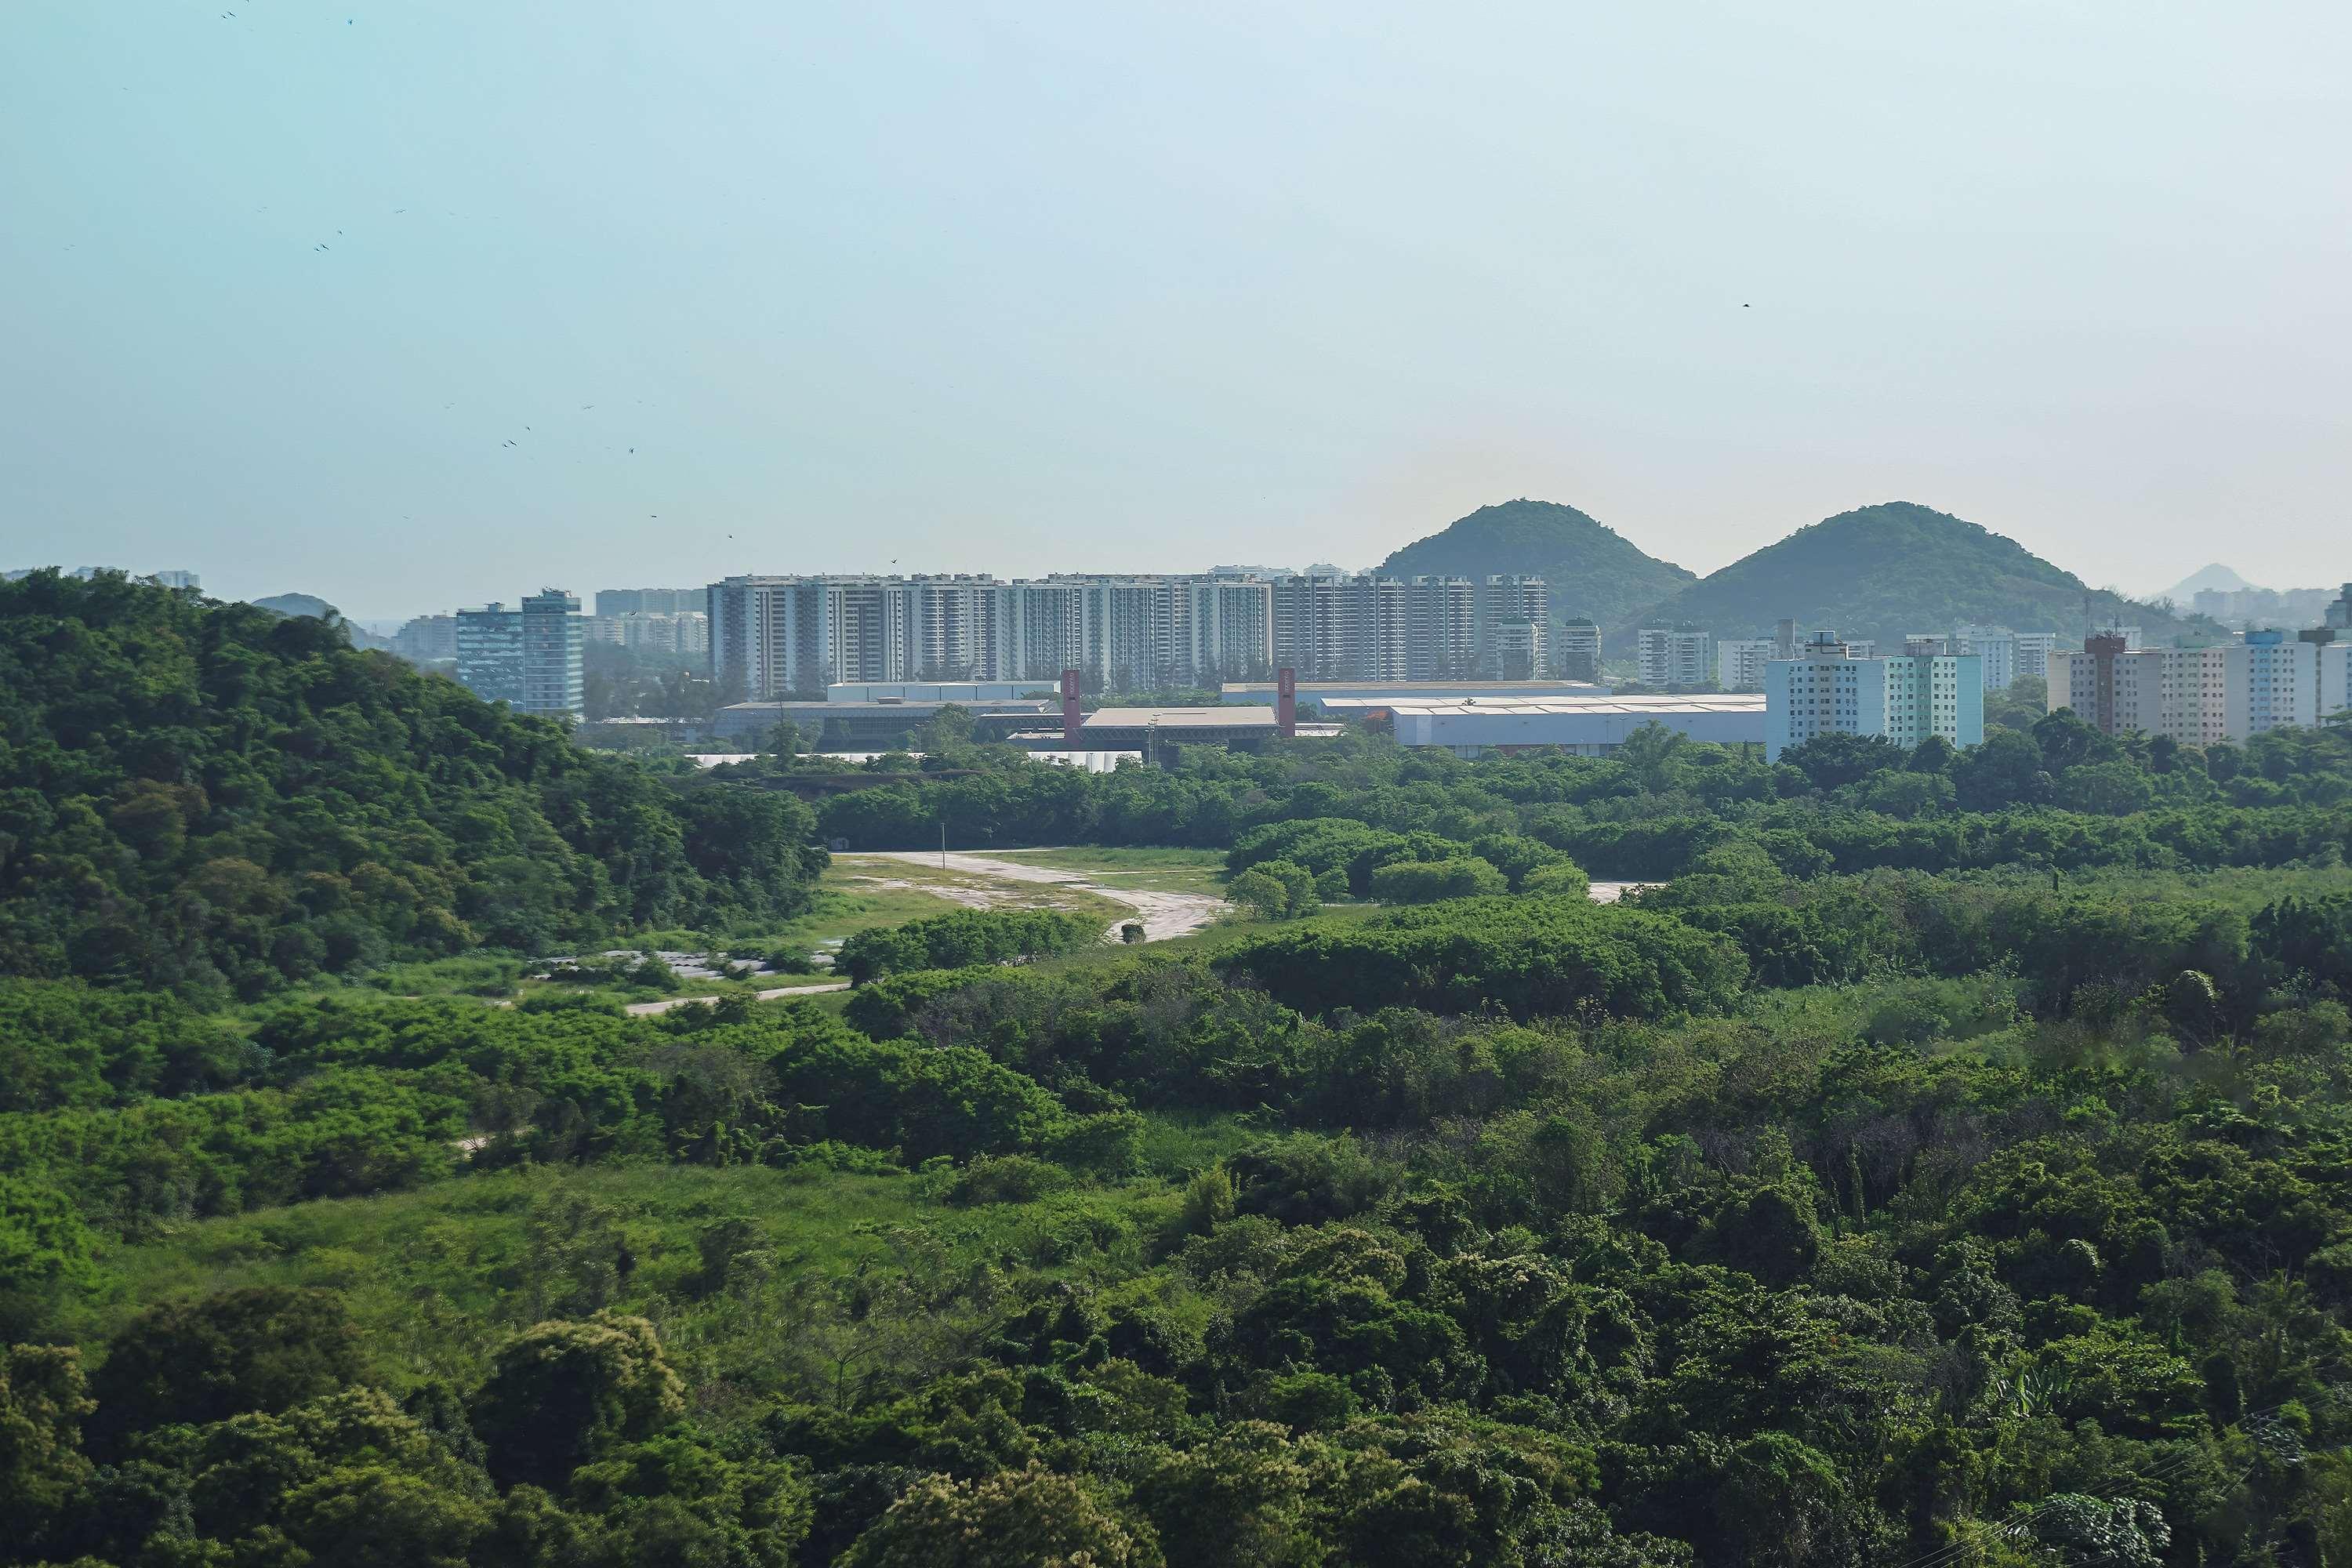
<point x="613" y="602"/>
<point x="2267" y="679"/>
<point x="1673" y="656"/>
<point x="1903" y="697"/>
<point x="770" y="635"/>
<point x="530" y="656"/>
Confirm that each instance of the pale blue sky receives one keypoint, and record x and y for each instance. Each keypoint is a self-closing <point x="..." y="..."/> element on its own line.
<point x="1019" y="287"/>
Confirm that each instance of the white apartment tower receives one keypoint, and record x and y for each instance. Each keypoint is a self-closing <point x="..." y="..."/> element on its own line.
<point x="1739" y="662"/>
<point x="1673" y="657"/>
<point x="1905" y="699"/>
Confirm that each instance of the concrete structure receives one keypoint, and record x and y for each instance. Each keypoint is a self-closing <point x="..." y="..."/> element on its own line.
<point x="1152" y="732"/>
<point x="970" y="693"/>
<point x="531" y="657"/>
<point x="1516" y="649"/>
<point x="799" y="634"/>
<point x="1666" y="656"/>
<point x="2006" y="654"/>
<point x="1576" y="651"/>
<point x="1374" y="693"/>
<point x="651" y="601"/>
<point x="2281" y="681"/>
<point x="1336" y="626"/>
<point x="489" y="653"/>
<point x="2196" y="696"/>
<point x="1341" y="627"/>
<point x="427" y="639"/>
<point x="2334" y="678"/>
<point x="554" y="662"/>
<point x="2200" y="696"/>
<point x="685" y="632"/>
<point x="1905" y="699"/>
<point x="1739" y="662"/>
<point x="1514" y="616"/>
<point x="1583" y="726"/>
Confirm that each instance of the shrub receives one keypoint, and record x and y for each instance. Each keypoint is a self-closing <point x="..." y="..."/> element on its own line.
<point x="1428" y="881"/>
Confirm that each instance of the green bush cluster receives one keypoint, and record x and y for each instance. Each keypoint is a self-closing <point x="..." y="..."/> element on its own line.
<point x="965" y="938"/>
<point x="215" y="800"/>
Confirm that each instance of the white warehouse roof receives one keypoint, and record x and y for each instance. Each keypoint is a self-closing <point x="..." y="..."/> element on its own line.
<point x="1588" y="724"/>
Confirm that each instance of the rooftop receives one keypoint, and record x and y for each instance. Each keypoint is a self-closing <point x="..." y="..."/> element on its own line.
<point x="1663" y="702"/>
<point x="1230" y="717"/>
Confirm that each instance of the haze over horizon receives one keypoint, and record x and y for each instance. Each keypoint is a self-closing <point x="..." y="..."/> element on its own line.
<point x="1056" y="287"/>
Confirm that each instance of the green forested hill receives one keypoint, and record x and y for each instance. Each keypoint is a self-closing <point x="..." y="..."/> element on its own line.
<point x="1594" y="571"/>
<point x="214" y="799"/>
<point x="1896" y="567"/>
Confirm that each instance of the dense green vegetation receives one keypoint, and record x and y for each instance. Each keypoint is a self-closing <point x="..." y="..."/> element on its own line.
<point x="1948" y="1163"/>
<point x="220" y="801"/>
<point x="1891" y="570"/>
<point x="1595" y="572"/>
<point x="962" y="939"/>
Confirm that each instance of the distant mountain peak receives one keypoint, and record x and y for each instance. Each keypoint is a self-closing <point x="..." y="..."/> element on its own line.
<point x="297" y="604"/>
<point x="1594" y="571"/>
<point x="2214" y="579"/>
<point x="1891" y="569"/>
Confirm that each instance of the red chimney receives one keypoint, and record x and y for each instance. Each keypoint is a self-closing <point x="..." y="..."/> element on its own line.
<point x="1286" y="701"/>
<point x="1072" y="720"/>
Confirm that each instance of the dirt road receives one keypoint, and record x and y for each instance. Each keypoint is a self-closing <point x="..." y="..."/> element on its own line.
<point x="1163" y="914"/>
<point x="644" y="1009"/>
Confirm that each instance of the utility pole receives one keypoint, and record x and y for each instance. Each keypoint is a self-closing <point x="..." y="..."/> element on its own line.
<point x="943" y="843"/>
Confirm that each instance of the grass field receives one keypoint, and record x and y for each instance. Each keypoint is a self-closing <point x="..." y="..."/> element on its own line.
<point x="435" y="1278"/>
<point x="1158" y="870"/>
<point x="867" y="876"/>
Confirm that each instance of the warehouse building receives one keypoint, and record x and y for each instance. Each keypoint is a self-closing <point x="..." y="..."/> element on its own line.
<point x="1582" y="726"/>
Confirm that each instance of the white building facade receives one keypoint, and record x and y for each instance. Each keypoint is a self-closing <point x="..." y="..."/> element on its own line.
<point x="1673" y="657"/>
<point x="1904" y="699"/>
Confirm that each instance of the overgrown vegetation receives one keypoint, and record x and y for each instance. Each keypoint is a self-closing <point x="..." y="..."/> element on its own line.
<point x="212" y="799"/>
<point x="1946" y="1164"/>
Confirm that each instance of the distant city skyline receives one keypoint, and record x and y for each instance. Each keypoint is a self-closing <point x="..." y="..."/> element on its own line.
<point x="413" y="306"/>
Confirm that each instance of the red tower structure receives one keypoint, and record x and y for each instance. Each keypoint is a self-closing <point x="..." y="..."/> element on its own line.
<point x="1286" y="701"/>
<point x="1072" y="720"/>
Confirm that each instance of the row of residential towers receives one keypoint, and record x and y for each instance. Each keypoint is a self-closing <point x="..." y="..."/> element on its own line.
<point x="773" y="634"/>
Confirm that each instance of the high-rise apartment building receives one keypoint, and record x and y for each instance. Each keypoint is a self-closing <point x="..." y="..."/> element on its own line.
<point x="2281" y="681"/>
<point x="1340" y="627"/>
<point x="1516" y="649"/>
<point x="1506" y="601"/>
<point x="489" y="653"/>
<point x="531" y="657"/>
<point x="1445" y="631"/>
<point x="1673" y="657"/>
<point x="1739" y="662"/>
<point x="554" y="664"/>
<point x="1904" y="698"/>
<point x="2006" y="654"/>
<point x="426" y="640"/>
<point x="649" y="601"/>
<point x="770" y="636"/>
<point x="2194" y="695"/>
<point x="688" y="632"/>
<point x="1576" y="654"/>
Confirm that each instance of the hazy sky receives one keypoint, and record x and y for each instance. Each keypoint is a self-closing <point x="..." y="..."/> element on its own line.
<point x="1086" y="286"/>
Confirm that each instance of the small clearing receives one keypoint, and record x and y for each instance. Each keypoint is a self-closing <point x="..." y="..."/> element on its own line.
<point x="645" y="1009"/>
<point x="984" y="882"/>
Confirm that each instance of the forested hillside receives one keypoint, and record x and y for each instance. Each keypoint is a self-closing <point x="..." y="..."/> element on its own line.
<point x="1595" y="572"/>
<point x="1891" y="569"/>
<point x="1946" y="1162"/>
<point x="220" y="800"/>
